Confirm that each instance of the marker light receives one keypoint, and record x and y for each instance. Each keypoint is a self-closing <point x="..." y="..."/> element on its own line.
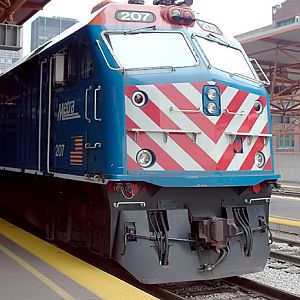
<point x="259" y="159"/>
<point x="139" y="98"/>
<point x="258" y="106"/>
<point x="145" y="158"/>
<point x="212" y="94"/>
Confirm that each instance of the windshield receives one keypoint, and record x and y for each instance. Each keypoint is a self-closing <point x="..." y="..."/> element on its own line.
<point x="221" y="56"/>
<point x="151" y="49"/>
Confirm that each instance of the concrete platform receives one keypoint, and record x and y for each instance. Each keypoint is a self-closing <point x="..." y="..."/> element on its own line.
<point x="285" y="210"/>
<point x="34" y="269"/>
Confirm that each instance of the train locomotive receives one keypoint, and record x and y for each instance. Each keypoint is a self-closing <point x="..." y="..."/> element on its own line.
<point x="143" y="134"/>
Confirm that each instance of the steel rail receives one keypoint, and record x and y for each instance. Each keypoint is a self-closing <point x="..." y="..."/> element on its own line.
<point x="285" y="257"/>
<point x="263" y="290"/>
<point x="286" y="241"/>
<point x="286" y="193"/>
<point x="162" y="293"/>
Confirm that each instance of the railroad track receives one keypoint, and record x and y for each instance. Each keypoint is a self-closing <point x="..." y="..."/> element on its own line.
<point x="294" y="259"/>
<point x="286" y="192"/>
<point x="229" y="288"/>
<point x="287" y="241"/>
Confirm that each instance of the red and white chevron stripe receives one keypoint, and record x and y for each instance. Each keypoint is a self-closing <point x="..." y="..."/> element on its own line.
<point x="213" y="149"/>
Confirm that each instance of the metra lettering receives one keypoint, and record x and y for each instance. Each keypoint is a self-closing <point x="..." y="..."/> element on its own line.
<point x="66" y="111"/>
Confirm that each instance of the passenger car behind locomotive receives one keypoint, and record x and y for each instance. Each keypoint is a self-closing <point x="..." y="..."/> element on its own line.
<point x="144" y="135"/>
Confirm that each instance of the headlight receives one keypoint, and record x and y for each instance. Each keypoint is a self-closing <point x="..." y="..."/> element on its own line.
<point x="145" y="158"/>
<point x="212" y="108"/>
<point x="211" y="99"/>
<point x="212" y="94"/>
<point x="259" y="159"/>
<point x="139" y="98"/>
<point x="176" y="15"/>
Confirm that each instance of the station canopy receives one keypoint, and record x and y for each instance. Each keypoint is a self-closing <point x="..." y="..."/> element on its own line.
<point x="277" y="49"/>
<point x="19" y="11"/>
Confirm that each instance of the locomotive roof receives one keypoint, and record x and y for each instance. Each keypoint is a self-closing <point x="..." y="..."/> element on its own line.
<point x="54" y="40"/>
<point x="96" y="18"/>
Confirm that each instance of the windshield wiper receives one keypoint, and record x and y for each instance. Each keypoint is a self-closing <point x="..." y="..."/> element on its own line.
<point x="139" y="30"/>
<point x="219" y="41"/>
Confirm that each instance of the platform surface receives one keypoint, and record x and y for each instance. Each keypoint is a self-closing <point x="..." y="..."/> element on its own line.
<point x="34" y="269"/>
<point x="285" y="210"/>
<point x="285" y="207"/>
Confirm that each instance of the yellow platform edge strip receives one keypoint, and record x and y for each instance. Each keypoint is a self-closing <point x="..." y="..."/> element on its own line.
<point x="287" y="222"/>
<point x="291" y="186"/>
<point x="93" y="279"/>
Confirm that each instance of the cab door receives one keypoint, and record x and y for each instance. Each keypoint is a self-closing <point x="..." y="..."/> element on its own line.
<point x="91" y="91"/>
<point x="68" y="134"/>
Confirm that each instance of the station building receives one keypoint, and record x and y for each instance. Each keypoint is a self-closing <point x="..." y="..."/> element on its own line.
<point x="277" y="49"/>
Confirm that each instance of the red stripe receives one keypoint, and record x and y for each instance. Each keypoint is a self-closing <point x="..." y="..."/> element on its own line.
<point x="162" y="157"/>
<point x="194" y="151"/>
<point x="132" y="164"/>
<point x="176" y="97"/>
<point x="229" y="154"/>
<point x="258" y="146"/>
<point x="226" y="119"/>
<point x="213" y="131"/>
<point x="222" y="87"/>
<point x="226" y="158"/>
<point x="183" y="140"/>
<point x="199" y="86"/>
<point x="268" y="165"/>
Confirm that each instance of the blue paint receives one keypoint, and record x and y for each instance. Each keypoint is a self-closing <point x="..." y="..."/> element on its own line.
<point x="19" y="126"/>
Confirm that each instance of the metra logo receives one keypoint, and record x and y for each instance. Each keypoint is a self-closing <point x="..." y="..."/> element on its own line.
<point x="66" y="111"/>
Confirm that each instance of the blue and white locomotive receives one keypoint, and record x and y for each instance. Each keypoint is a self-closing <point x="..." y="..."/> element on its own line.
<point x="144" y="135"/>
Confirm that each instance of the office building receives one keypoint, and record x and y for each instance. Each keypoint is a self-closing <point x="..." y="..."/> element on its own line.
<point x="44" y="29"/>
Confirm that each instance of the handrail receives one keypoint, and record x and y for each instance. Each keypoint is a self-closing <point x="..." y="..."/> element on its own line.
<point x="49" y="112"/>
<point x="106" y="61"/>
<point x="249" y="136"/>
<point x="40" y="114"/>
<point x="165" y="133"/>
<point x="86" y="104"/>
<point x="198" y="110"/>
<point x="241" y="113"/>
<point x="88" y="146"/>
<point x="95" y="103"/>
<point x="267" y="81"/>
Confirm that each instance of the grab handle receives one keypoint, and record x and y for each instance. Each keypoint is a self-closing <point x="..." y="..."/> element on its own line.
<point x="95" y="103"/>
<point x="86" y="104"/>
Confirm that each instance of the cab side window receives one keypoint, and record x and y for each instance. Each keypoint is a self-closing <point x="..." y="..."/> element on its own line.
<point x="86" y="69"/>
<point x="71" y="65"/>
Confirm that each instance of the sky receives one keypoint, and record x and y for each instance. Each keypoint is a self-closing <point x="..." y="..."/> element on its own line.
<point x="232" y="16"/>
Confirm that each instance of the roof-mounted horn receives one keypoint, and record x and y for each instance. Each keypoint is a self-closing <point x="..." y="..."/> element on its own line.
<point x="173" y="2"/>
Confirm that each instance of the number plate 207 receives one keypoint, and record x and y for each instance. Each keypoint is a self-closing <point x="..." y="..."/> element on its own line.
<point x="135" y="16"/>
